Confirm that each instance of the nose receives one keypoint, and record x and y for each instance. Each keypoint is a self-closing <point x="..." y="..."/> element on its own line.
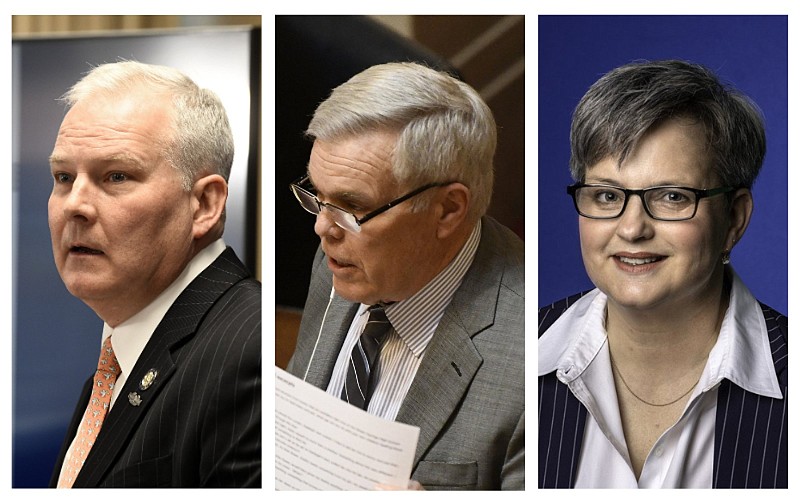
<point x="326" y="227"/>
<point x="635" y="224"/>
<point x="80" y="199"/>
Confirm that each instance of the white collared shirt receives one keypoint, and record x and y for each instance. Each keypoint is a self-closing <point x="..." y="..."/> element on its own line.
<point x="132" y="335"/>
<point x="414" y="321"/>
<point x="576" y="348"/>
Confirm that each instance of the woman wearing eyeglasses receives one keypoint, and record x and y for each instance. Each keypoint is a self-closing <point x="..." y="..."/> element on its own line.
<point x="670" y="373"/>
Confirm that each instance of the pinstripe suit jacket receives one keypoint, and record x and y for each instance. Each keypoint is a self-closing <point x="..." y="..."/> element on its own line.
<point x="468" y="395"/>
<point x="199" y="423"/>
<point x="750" y="446"/>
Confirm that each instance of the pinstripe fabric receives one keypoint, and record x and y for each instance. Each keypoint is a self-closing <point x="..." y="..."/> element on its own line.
<point x="199" y="423"/>
<point x="750" y="447"/>
<point x="414" y="322"/>
<point x="562" y="417"/>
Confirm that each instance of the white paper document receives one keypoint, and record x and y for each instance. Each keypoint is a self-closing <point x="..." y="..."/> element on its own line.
<point x="323" y="443"/>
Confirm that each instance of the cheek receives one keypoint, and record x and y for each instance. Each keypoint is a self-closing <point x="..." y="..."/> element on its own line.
<point x="54" y="213"/>
<point x="702" y="248"/>
<point x="152" y="225"/>
<point x="593" y="237"/>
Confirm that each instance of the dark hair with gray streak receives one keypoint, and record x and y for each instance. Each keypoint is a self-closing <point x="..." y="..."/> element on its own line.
<point x="630" y="100"/>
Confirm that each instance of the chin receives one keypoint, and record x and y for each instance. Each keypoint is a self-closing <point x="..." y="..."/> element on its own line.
<point x="353" y="293"/>
<point x="652" y="303"/>
<point x="633" y="298"/>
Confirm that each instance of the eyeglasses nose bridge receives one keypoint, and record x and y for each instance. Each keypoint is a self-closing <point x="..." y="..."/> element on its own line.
<point x="633" y="192"/>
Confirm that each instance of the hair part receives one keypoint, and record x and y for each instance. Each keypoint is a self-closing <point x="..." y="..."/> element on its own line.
<point x="446" y="132"/>
<point x="201" y="142"/>
<point x="627" y="102"/>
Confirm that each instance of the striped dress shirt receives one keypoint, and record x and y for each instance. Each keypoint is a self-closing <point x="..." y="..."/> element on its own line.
<point x="414" y="320"/>
<point x="746" y="379"/>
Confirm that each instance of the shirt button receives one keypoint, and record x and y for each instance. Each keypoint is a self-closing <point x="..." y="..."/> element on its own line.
<point x="659" y="451"/>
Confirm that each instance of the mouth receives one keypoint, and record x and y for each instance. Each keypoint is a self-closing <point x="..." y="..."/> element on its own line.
<point x="338" y="263"/>
<point x="637" y="261"/>
<point x="84" y="250"/>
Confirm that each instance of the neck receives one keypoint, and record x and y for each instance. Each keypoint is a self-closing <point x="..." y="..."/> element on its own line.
<point x="668" y="340"/>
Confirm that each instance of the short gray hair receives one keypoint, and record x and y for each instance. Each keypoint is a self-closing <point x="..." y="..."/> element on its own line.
<point x="628" y="101"/>
<point x="446" y="131"/>
<point x="202" y="141"/>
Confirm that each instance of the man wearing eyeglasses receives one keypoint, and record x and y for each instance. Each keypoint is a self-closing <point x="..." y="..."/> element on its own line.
<point x="399" y="178"/>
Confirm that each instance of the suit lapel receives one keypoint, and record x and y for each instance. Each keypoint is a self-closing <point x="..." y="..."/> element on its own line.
<point x="331" y="338"/>
<point x="750" y="446"/>
<point x="178" y="325"/>
<point x="450" y="363"/>
<point x="451" y="359"/>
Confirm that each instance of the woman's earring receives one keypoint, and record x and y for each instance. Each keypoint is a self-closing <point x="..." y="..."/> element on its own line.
<point x="726" y="257"/>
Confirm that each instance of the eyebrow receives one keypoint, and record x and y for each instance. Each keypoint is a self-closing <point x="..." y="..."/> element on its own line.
<point x="344" y="198"/>
<point x="616" y="183"/>
<point x="120" y="158"/>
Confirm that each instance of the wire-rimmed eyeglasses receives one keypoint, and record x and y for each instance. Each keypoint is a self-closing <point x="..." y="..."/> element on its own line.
<point x="303" y="190"/>
<point x="668" y="203"/>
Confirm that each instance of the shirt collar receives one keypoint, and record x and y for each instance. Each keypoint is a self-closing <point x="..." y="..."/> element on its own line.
<point x="415" y="319"/>
<point x="575" y="338"/>
<point x="132" y="335"/>
<point x="741" y="354"/>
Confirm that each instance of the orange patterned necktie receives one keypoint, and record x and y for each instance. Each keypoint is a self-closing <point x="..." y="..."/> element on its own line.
<point x="99" y="402"/>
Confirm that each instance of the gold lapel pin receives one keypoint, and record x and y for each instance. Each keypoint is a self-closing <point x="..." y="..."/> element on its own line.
<point x="148" y="379"/>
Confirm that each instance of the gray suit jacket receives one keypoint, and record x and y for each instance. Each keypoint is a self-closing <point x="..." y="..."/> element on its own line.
<point x="468" y="397"/>
<point x="199" y="423"/>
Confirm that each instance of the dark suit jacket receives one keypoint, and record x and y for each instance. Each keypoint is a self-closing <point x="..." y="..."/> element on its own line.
<point x="468" y="395"/>
<point x="199" y="423"/>
<point x="750" y="448"/>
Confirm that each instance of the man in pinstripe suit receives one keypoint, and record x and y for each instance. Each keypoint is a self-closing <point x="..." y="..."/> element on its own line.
<point x="136" y="214"/>
<point x="400" y="177"/>
<point x="670" y="373"/>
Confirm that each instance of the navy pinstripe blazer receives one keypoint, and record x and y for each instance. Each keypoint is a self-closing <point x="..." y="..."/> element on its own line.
<point x="199" y="423"/>
<point x="750" y="447"/>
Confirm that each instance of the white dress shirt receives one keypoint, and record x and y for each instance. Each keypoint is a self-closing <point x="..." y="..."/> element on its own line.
<point x="414" y="322"/>
<point x="132" y="335"/>
<point x="575" y="346"/>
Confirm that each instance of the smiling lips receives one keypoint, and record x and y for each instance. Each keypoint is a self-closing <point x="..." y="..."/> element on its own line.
<point x="637" y="262"/>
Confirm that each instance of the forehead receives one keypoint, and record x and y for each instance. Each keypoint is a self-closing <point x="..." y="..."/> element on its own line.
<point x="133" y="127"/>
<point x="672" y="153"/>
<point x="357" y="163"/>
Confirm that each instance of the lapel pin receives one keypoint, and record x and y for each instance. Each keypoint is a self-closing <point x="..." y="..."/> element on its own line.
<point x="148" y="379"/>
<point x="134" y="399"/>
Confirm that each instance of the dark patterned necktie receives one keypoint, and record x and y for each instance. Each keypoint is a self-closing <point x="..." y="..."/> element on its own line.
<point x="363" y="368"/>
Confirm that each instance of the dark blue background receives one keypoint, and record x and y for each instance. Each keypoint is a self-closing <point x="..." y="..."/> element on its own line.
<point x="749" y="52"/>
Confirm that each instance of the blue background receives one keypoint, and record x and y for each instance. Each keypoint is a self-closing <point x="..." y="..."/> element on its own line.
<point x="748" y="52"/>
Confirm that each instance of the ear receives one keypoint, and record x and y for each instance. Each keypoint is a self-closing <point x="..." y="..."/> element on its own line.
<point x="453" y="205"/>
<point x="739" y="213"/>
<point x="209" y="195"/>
